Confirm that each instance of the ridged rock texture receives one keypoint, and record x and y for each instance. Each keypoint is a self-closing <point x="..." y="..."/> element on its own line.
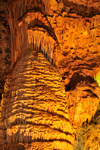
<point x="34" y="108"/>
<point x="49" y="60"/>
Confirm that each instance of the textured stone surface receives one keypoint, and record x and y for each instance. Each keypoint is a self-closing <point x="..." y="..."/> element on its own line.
<point x="67" y="32"/>
<point x="34" y="108"/>
<point x="5" y="46"/>
<point x="88" y="135"/>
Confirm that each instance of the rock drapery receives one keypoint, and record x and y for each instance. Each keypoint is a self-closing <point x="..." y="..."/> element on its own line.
<point x="67" y="32"/>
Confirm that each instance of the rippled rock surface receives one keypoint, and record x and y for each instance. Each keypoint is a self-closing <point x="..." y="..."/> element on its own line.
<point x="34" y="109"/>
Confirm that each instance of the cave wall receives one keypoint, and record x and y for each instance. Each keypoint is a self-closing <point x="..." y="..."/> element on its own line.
<point x="68" y="34"/>
<point x="5" y="46"/>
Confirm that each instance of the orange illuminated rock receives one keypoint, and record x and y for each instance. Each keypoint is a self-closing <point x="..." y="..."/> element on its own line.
<point x="37" y="110"/>
<point x="67" y="32"/>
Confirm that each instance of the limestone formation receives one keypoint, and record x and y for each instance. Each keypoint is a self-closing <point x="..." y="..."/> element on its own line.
<point x="65" y="36"/>
<point x="34" y="109"/>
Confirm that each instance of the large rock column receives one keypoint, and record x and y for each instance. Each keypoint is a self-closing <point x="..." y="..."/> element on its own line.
<point x="34" y="109"/>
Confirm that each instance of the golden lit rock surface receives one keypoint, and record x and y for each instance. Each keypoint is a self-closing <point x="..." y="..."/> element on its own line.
<point x="34" y="108"/>
<point x="67" y="32"/>
<point x="88" y="135"/>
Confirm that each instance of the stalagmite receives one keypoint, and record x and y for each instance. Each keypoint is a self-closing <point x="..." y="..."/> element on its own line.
<point x="44" y="120"/>
<point x="67" y="33"/>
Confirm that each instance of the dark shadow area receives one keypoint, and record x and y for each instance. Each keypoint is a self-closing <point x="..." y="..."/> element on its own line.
<point x="81" y="10"/>
<point x="0" y="97"/>
<point x="77" y="78"/>
<point x="13" y="146"/>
